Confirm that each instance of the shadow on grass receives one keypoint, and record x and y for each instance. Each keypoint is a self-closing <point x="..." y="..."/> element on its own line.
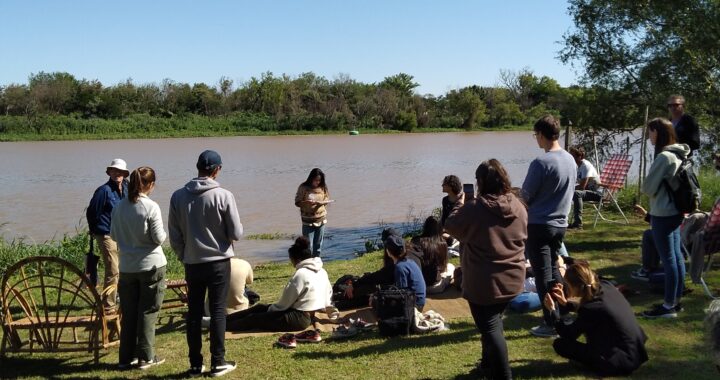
<point x="460" y="333"/>
<point x="49" y="368"/>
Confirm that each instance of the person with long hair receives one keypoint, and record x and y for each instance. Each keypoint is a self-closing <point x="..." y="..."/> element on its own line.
<point x="307" y="291"/>
<point x="665" y="219"/>
<point x="614" y="342"/>
<point x="137" y="227"/>
<point x="436" y="270"/>
<point x="493" y="230"/>
<point x="312" y="197"/>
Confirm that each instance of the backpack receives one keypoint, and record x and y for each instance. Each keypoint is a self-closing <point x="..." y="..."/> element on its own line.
<point x="687" y="195"/>
<point x="395" y="310"/>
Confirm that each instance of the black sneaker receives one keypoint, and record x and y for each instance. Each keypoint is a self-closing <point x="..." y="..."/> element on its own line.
<point x="144" y="365"/>
<point x="575" y="226"/>
<point x="641" y="274"/>
<point x="660" y="311"/>
<point x="222" y="369"/>
<point x="127" y="366"/>
<point x="196" y="371"/>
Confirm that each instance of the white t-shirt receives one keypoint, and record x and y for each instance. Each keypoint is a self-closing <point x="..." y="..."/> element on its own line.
<point x="587" y="170"/>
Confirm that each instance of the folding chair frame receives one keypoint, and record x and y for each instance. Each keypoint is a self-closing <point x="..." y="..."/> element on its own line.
<point x="598" y="206"/>
<point x="612" y="179"/>
<point x="706" y="288"/>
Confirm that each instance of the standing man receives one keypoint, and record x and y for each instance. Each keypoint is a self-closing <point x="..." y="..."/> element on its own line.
<point x="548" y="190"/>
<point x="686" y="128"/>
<point x="586" y="186"/>
<point x="203" y="223"/>
<point x="98" y="218"/>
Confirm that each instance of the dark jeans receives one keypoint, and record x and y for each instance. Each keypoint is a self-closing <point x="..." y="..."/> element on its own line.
<point x="650" y="258"/>
<point x="666" y="234"/>
<point x="259" y="318"/>
<point x="142" y="295"/>
<point x="581" y="352"/>
<point x="542" y="247"/>
<point x="578" y="197"/>
<point x="494" y="359"/>
<point x="212" y="278"/>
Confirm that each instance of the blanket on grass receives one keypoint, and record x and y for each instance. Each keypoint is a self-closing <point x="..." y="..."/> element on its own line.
<point x="449" y="304"/>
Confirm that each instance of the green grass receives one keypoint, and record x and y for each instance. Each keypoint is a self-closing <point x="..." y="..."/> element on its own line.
<point x="676" y="347"/>
<point x="270" y="236"/>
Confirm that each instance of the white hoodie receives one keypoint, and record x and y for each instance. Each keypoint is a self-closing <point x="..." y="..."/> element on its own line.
<point x="309" y="288"/>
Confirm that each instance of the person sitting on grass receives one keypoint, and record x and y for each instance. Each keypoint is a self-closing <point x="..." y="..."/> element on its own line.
<point x="357" y="292"/>
<point x="615" y="343"/>
<point x="436" y="270"/>
<point x="407" y="272"/>
<point x="308" y="290"/>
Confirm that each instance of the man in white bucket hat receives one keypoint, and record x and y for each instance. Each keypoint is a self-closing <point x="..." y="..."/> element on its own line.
<point x="98" y="217"/>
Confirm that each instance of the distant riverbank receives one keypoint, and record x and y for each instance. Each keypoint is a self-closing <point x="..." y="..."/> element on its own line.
<point x="68" y="128"/>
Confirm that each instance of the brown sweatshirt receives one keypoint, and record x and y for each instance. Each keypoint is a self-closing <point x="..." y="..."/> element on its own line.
<point x="493" y="229"/>
<point x="311" y="214"/>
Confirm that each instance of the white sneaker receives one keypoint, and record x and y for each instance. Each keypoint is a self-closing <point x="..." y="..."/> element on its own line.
<point x="223" y="369"/>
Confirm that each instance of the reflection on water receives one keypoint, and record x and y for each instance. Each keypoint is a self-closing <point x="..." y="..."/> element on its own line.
<point x="375" y="179"/>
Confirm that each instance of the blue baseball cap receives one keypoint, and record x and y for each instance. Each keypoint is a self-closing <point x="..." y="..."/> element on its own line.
<point x="208" y="160"/>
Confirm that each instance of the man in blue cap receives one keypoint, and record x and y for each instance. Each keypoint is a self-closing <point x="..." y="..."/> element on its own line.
<point x="203" y="223"/>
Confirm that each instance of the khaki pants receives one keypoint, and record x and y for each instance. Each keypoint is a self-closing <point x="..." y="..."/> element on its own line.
<point x="109" y="253"/>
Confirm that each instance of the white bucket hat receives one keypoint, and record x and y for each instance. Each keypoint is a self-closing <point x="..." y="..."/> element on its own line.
<point x="118" y="164"/>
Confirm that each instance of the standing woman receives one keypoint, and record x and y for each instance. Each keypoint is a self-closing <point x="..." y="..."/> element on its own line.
<point x="138" y="228"/>
<point x="312" y="196"/>
<point x="665" y="219"/>
<point x="493" y="229"/>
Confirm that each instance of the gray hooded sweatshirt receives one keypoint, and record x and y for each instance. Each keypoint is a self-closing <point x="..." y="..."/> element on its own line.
<point x="203" y="222"/>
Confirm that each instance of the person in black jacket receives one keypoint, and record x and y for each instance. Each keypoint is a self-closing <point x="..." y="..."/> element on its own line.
<point x="686" y="128"/>
<point x="615" y="342"/>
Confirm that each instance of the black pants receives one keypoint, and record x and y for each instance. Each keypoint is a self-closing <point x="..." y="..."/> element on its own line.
<point x="211" y="278"/>
<point x="542" y="246"/>
<point x="259" y="318"/>
<point x="494" y="359"/>
<point x="618" y="364"/>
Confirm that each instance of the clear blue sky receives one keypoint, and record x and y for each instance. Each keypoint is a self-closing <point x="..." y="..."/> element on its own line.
<point x="443" y="44"/>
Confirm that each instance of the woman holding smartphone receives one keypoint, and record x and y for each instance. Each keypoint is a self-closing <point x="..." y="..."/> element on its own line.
<point x="493" y="229"/>
<point x="312" y="197"/>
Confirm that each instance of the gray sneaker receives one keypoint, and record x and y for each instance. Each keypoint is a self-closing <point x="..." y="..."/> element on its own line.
<point x="145" y="365"/>
<point x="544" y="331"/>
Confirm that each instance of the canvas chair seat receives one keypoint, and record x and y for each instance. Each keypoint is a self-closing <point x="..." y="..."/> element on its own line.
<point x="612" y="180"/>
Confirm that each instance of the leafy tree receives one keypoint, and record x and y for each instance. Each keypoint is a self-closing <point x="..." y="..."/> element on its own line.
<point x="649" y="48"/>
<point x="402" y="83"/>
<point x="467" y="103"/>
<point x="53" y="92"/>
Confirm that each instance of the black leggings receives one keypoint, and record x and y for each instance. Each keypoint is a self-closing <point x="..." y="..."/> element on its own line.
<point x="259" y="318"/>
<point x="619" y="363"/>
<point x="494" y="359"/>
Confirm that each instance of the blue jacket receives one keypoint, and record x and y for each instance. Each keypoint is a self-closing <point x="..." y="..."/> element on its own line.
<point x="101" y="206"/>
<point x="409" y="276"/>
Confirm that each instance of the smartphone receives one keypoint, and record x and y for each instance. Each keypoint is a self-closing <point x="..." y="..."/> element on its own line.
<point x="469" y="190"/>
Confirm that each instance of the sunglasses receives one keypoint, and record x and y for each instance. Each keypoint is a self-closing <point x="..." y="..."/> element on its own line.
<point x="674" y="104"/>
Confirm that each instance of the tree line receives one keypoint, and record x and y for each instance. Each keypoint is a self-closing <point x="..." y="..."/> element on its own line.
<point x="307" y="102"/>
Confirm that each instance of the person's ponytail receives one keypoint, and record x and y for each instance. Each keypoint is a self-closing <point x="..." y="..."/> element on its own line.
<point x="140" y="179"/>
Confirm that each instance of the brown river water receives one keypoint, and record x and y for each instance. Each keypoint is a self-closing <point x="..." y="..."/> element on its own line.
<point x="375" y="180"/>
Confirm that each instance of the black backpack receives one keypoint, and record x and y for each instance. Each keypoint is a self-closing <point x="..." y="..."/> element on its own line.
<point x="686" y="196"/>
<point x="395" y="310"/>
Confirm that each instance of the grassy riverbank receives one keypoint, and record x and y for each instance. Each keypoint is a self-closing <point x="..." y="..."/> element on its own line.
<point x="55" y="128"/>
<point x="677" y="347"/>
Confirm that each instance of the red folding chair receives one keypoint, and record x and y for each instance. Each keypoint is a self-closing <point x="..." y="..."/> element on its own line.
<point x="612" y="179"/>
